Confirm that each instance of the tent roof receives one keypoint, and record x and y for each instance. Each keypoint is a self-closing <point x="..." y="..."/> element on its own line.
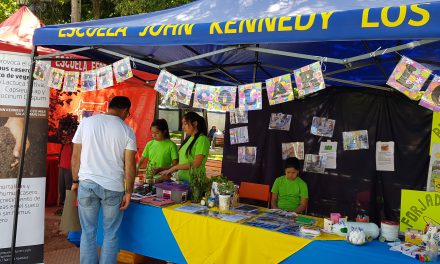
<point x="204" y="37"/>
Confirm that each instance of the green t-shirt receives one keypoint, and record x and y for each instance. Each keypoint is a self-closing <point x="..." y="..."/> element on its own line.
<point x="200" y="147"/>
<point x="160" y="153"/>
<point x="290" y="192"/>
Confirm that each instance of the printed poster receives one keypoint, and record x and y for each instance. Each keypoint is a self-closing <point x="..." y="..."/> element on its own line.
<point x="239" y="135"/>
<point x="293" y="150"/>
<point x="56" y="78"/>
<point x="88" y="81"/>
<point x="280" y="121"/>
<point x="322" y="126"/>
<point x="431" y="97"/>
<point x="238" y="116"/>
<point x="419" y="208"/>
<point x="314" y="163"/>
<point x="41" y="70"/>
<point x="329" y="149"/>
<point x="71" y="79"/>
<point x="355" y="140"/>
<point x="122" y="70"/>
<point x="165" y="82"/>
<point x="247" y="155"/>
<point x="309" y="79"/>
<point x="182" y="91"/>
<point x="433" y="182"/>
<point x="224" y="98"/>
<point x="104" y="76"/>
<point x="203" y="96"/>
<point x="385" y="156"/>
<point x="279" y="89"/>
<point x="250" y="97"/>
<point x="408" y="77"/>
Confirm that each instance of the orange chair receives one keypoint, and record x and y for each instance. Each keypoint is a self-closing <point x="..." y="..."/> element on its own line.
<point x="256" y="191"/>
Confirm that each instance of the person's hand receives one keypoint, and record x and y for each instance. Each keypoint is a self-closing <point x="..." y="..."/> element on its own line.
<point x="74" y="188"/>
<point x="125" y="201"/>
<point x="166" y="172"/>
<point x="15" y="125"/>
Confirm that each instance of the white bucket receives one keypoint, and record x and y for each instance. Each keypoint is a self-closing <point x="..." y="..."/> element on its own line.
<point x="224" y="202"/>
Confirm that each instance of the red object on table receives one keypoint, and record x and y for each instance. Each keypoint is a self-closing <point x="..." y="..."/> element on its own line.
<point x="51" y="180"/>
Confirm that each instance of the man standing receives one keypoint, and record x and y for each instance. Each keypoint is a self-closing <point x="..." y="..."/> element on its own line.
<point x="103" y="153"/>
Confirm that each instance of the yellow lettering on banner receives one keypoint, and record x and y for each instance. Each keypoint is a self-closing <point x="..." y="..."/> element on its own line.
<point x="421" y="11"/>
<point x="109" y="33"/>
<point x="61" y="33"/>
<point x="157" y="32"/>
<point x="215" y="26"/>
<point x="79" y="33"/>
<point x="325" y="17"/>
<point x="309" y="24"/>
<point x="260" y="25"/>
<point x="99" y="33"/>
<point x="180" y="30"/>
<point x="399" y="20"/>
<point x="281" y="26"/>
<point x="173" y="27"/>
<point x="228" y="29"/>
<point x="144" y="32"/>
<point x="365" y="22"/>
<point x="240" y="26"/>
<point x="250" y="25"/>
<point x="122" y="31"/>
<point x="270" y="24"/>
<point x="71" y="34"/>
<point x="90" y="32"/>
<point x="188" y="29"/>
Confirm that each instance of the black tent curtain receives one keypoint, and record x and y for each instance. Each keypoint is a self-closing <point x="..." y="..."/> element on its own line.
<point x="354" y="186"/>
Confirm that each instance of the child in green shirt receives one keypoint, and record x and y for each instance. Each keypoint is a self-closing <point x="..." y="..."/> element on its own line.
<point x="289" y="192"/>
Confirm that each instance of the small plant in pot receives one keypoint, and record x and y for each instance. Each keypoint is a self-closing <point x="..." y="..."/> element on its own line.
<point x="199" y="184"/>
<point x="226" y="189"/>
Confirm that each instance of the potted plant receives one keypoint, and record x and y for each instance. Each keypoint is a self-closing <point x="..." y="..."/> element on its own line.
<point x="199" y="184"/>
<point x="225" y="189"/>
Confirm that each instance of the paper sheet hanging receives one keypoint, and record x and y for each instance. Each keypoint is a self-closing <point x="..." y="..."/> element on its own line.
<point x="329" y="149"/>
<point x="385" y="156"/>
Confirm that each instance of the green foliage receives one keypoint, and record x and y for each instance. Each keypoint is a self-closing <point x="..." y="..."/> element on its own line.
<point x="7" y="8"/>
<point x="131" y="7"/>
<point x="226" y="188"/>
<point x="199" y="184"/>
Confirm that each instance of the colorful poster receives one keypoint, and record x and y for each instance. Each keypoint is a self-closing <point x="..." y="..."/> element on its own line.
<point x="408" y="77"/>
<point x="355" y="140"/>
<point x="309" y="79"/>
<point x="385" y="156"/>
<point x="280" y="121"/>
<point x="431" y="97"/>
<point x="322" y="126"/>
<point x="239" y="135"/>
<point x="250" y="97"/>
<point x="247" y="155"/>
<point x="329" y="149"/>
<point x="238" y="116"/>
<point x="182" y="91"/>
<point x="88" y="80"/>
<point x="203" y="96"/>
<point x="224" y="98"/>
<point x="71" y="80"/>
<point x="314" y="163"/>
<point x="56" y="78"/>
<point x="104" y="77"/>
<point x="122" y="70"/>
<point x="293" y="149"/>
<point x="165" y="82"/>
<point x="433" y="182"/>
<point x="41" y="70"/>
<point x="419" y="208"/>
<point x="279" y="89"/>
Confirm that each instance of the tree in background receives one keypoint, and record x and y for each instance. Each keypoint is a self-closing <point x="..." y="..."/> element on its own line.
<point x="7" y="8"/>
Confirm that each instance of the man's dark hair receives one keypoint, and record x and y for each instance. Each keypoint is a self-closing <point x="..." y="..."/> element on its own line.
<point x="292" y="163"/>
<point x="120" y="102"/>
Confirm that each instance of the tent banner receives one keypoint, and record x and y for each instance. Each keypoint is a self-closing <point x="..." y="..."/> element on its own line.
<point x="14" y="78"/>
<point x="419" y="208"/>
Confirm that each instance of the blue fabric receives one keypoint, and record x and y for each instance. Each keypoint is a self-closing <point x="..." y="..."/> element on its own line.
<point x="145" y="231"/>
<point x="74" y="237"/>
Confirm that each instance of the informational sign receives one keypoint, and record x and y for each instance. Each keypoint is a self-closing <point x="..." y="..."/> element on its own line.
<point x="419" y="208"/>
<point x="435" y="130"/>
<point x="385" y="156"/>
<point x="433" y="182"/>
<point x="14" y="78"/>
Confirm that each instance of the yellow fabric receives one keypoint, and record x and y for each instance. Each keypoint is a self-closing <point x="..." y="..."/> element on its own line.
<point x="209" y="240"/>
<point x="435" y="130"/>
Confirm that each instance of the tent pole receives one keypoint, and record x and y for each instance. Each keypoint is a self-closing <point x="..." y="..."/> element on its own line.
<point x="359" y="84"/>
<point x="294" y="55"/>
<point x="116" y="54"/>
<point x="375" y="59"/>
<point x="22" y="153"/>
<point x="62" y="53"/>
<point x="257" y="61"/>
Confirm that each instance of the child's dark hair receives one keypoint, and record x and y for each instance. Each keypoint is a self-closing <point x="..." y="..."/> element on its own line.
<point x="292" y="163"/>
<point x="120" y="102"/>
<point x="162" y="126"/>
<point x="192" y="117"/>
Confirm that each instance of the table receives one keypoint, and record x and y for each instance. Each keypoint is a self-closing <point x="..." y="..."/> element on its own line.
<point x="51" y="180"/>
<point x="146" y="231"/>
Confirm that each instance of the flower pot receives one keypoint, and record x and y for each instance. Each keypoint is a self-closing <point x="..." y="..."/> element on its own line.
<point x="224" y="202"/>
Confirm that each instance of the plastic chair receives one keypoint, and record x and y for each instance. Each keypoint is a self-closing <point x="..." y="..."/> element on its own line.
<point x="256" y="191"/>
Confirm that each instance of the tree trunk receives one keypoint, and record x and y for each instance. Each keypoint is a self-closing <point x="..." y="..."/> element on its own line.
<point x="76" y="11"/>
<point x="96" y="9"/>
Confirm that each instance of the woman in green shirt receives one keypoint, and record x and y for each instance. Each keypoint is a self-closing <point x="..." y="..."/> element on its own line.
<point x="289" y="192"/>
<point x="160" y="152"/>
<point x="194" y="149"/>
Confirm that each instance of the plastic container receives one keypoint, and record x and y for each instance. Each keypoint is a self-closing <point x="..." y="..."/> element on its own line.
<point x="171" y="190"/>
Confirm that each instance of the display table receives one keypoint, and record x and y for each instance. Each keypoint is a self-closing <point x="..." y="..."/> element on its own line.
<point x="51" y="180"/>
<point x="146" y="231"/>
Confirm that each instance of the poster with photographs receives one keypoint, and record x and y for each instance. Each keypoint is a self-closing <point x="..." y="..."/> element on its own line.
<point x="329" y="149"/>
<point x="56" y="78"/>
<point x="249" y="97"/>
<point x="314" y="163"/>
<point x="322" y="126"/>
<point x="293" y="150"/>
<point x="279" y="89"/>
<point x="354" y="140"/>
<point x="433" y="182"/>
<point x="104" y="77"/>
<point x="122" y="70"/>
<point x="203" y="96"/>
<point x="165" y="82"/>
<point x="88" y="81"/>
<point x="224" y="98"/>
<point x="239" y="135"/>
<point x="385" y="156"/>
<point x="247" y="155"/>
<point x="431" y="97"/>
<point x="42" y="69"/>
<point x="309" y="79"/>
<point x="182" y="91"/>
<point x="238" y="116"/>
<point x="280" y="121"/>
<point x="408" y="77"/>
<point x="71" y="80"/>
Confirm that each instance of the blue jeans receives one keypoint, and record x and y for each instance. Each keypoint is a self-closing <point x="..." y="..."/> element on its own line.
<point x="91" y="197"/>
